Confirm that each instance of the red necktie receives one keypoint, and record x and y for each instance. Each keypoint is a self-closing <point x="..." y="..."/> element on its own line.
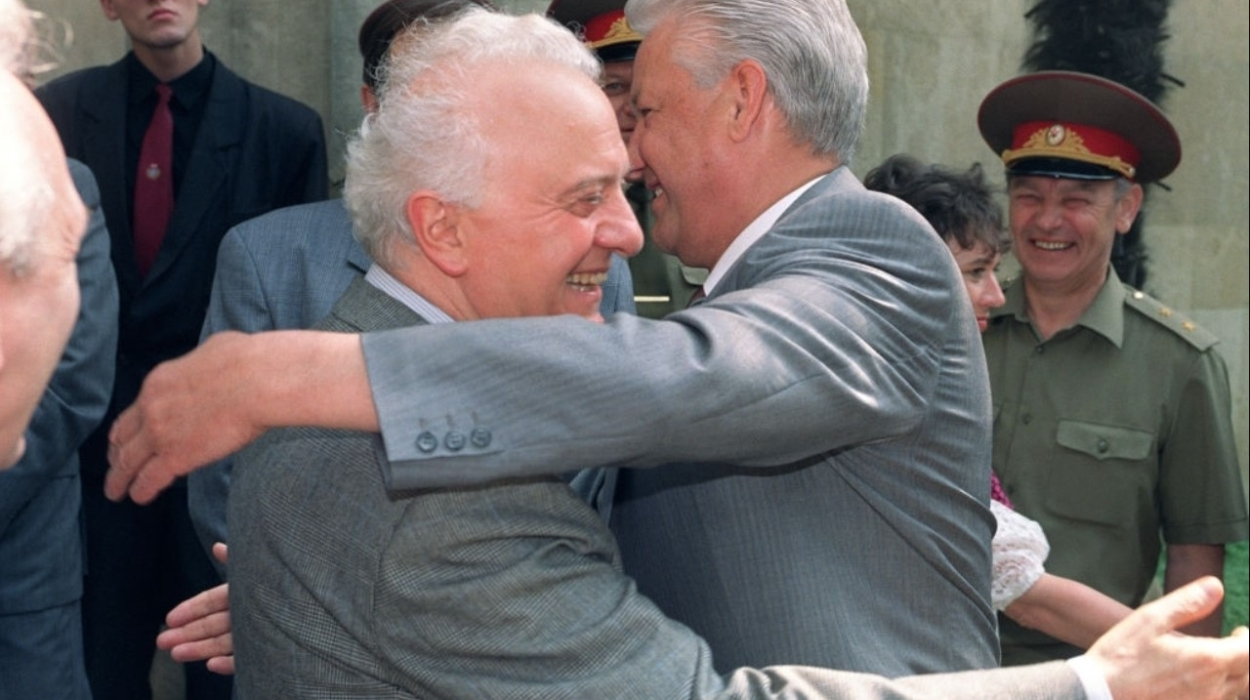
<point x="154" y="183"/>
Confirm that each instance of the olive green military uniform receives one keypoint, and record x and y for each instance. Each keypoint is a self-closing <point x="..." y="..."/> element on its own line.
<point x="661" y="283"/>
<point x="1109" y="434"/>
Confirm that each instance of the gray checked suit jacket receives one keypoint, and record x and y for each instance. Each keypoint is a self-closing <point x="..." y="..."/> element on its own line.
<point x="509" y="591"/>
<point x="823" y="418"/>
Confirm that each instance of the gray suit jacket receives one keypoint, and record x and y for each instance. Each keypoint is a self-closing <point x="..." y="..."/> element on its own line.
<point x="511" y="590"/>
<point x="840" y="353"/>
<point x="285" y="270"/>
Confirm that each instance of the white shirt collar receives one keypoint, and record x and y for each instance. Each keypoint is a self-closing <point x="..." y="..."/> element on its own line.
<point x="399" y="292"/>
<point x="752" y="233"/>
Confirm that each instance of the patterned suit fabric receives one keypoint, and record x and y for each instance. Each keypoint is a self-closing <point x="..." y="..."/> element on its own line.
<point x="506" y="591"/>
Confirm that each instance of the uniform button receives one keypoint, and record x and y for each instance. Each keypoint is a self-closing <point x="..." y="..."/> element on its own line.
<point x="1103" y="446"/>
<point x="1026" y="418"/>
<point x="426" y="442"/>
<point x="455" y="440"/>
<point x="1011" y="490"/>
<point x="480" y="437"/>
<point x="1040" y="350"/>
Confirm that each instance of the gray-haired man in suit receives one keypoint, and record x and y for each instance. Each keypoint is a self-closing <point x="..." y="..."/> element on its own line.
<point x="287" y="268"/>
<point x="823" y="331"/>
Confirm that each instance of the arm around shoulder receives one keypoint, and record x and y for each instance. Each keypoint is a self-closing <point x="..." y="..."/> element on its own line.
<point x="242" y="385"/>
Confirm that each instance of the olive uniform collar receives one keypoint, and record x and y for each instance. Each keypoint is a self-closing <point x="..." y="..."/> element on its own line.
<point x="1105" y="316"/>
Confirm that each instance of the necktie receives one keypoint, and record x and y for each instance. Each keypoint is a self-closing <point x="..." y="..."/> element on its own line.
<point x="154" y="183"/>
<point x="696" y="297"/>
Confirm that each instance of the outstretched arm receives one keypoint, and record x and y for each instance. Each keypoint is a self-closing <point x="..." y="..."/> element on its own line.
<point x="226" y="393"/>
<point x="810" y="324"/>
<point x="1142" y="658"/>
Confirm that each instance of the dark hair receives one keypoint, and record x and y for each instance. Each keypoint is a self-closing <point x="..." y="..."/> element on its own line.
<point x="390" y="18"/>
<point x="959" y="205"/>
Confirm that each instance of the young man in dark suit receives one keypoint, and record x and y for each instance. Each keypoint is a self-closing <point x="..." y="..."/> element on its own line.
<point x="175" y="172"/>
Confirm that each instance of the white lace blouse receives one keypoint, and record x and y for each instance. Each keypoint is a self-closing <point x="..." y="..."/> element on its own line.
<point x="1019" y="549"/>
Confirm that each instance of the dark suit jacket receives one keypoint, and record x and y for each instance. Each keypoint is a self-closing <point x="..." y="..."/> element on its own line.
<point x="40" y="536"/>
<point x="839" y="353"/>
<point x="255" y="151"/>
<point x="506" y="591"/>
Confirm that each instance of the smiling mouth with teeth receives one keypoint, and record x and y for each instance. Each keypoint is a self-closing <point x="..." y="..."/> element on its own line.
<point x="587" y="280"/>
<point x="1048" y="245"/>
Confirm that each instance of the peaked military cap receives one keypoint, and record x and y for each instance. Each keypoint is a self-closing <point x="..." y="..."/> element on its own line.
<point x="1079" y="126"/>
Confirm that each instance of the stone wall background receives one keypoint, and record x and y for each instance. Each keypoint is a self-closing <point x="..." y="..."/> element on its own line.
<point x="930" y="65"/>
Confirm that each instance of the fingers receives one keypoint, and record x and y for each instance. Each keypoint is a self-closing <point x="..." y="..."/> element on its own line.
<point x="223" y="665"/>
<point x="135" y="467"/>
<point x="1185" y="605"/>
<point x="210" y="633"/>
<point x="220" y="553"/>
<point x="122" y="454"/>
<point x="204" y="650"/>
<point x="1242" y="664"/>
<point x="203" y="605"/>
<point x="199" y="629"/>
<point x="153" y="477"/>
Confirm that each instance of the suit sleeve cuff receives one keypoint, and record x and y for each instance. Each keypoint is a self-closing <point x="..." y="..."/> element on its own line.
<point x="1091" y="678"/>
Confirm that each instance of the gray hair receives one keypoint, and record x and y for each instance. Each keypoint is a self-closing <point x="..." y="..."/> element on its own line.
<point x="811" y="52"/>
<point x="23" y="198"/>
<point x="424" y="136"/>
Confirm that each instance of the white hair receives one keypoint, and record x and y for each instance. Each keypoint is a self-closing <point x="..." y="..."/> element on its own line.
<point x="16" y="37"/>
<point x="423" y="135"/>
<point x="811" y="52"/>
<point x="23" y="199"/>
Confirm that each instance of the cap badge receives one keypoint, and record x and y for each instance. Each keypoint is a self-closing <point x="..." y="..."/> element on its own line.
<point x="620" y="29"/>
<point x="1065" y="141"/>
<point x="1055" y="135"/>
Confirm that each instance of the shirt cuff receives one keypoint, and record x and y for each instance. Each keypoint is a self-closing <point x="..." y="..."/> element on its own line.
<point x="1091" y="678"/>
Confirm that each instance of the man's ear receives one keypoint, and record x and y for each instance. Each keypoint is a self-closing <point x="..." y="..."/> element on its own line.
<point x="109" y="11"/>
<point x="749" y="86"/>
<point x="1126" y="208"/>
<point x="436" y="231"/>
<point x="368" y="99"/>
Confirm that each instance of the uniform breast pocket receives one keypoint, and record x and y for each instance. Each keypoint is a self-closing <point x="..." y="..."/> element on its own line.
<point x="1101" y="473"/>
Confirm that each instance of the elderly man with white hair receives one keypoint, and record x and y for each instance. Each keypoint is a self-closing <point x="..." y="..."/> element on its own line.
<point x="56" y="285"/>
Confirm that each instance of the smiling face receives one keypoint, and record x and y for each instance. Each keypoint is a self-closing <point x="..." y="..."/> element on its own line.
<point x="680" y="142"/>
<point x="39" y="302"/>
<point x="1063" y="230"/>
<point x="977" y="265"/>
<point x="155" y="24"/>
<point x="552" y="210"/>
